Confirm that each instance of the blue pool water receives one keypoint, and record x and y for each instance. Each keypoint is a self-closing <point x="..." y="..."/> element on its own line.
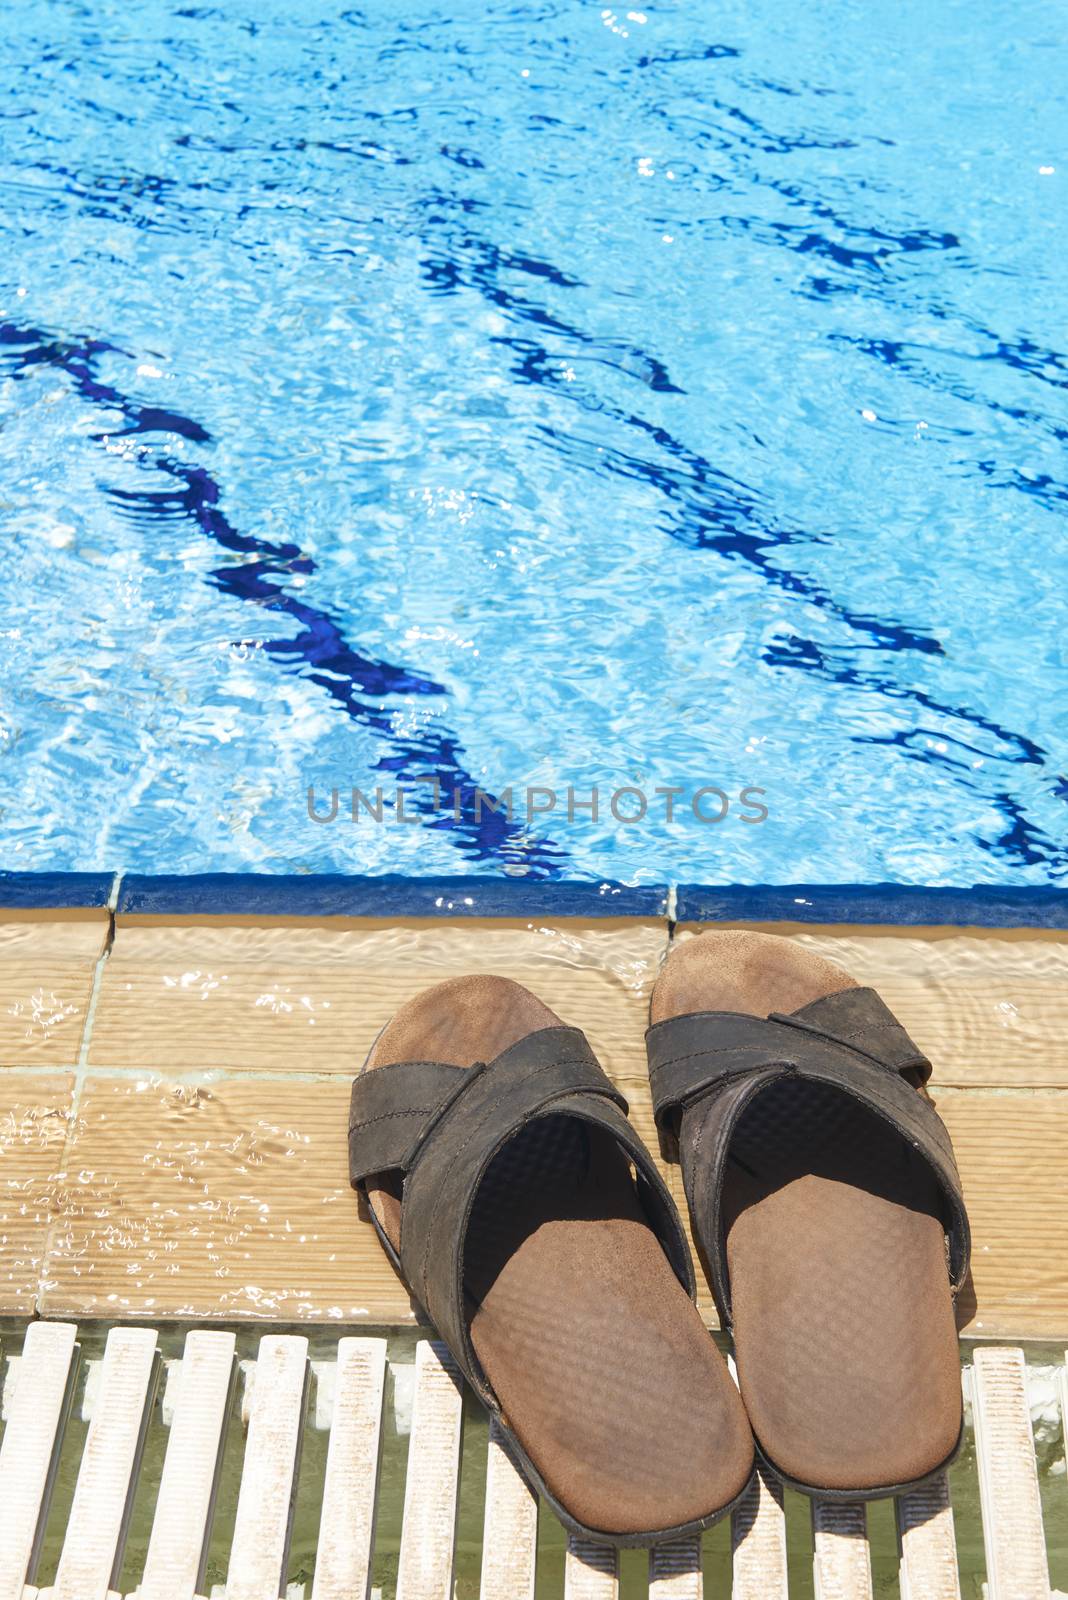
<point x="539" y="397"/>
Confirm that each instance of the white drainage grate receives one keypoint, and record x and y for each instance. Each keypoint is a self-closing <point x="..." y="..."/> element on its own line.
<point x="198" y="1410"/>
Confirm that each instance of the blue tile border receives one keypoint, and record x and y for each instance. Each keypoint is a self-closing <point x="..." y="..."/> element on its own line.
<point x="55" y="891"/>
<point x="326" y="895"/>
<point x="903" y="905"/>
<point x="391" y="895"/>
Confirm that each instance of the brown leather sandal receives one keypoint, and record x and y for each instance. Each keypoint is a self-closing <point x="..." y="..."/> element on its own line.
<point x="530" y="1222"/>
<point x="826" y="1207"/>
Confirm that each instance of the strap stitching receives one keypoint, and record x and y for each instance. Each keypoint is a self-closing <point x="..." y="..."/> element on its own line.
<point x="855" y="1033"/>
<point x="890" y="1025"/>
<point x="410" y="1111"/>
<point x="713" y="1050"/>
<point x="770" y="1059"/>
<point x="383" y="1116"/>
<point x="728" y="1049"/>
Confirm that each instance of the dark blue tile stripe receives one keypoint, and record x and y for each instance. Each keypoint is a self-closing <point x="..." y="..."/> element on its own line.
<point x="386" y="896"/>
<point x="55" y="891"/>
<point x="984" y="906"/>
<point x="336" y="895"/>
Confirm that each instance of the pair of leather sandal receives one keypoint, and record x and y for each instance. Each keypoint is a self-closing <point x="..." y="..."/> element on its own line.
<point x="533" y="1227"/>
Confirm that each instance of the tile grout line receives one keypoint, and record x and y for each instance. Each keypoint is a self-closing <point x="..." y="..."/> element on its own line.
<point x="94" y="993"/>
<point x="992" y="1091"/>
<point x="81" y="1071"/>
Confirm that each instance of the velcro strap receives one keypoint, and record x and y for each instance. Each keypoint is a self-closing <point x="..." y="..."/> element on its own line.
<point x="390" y="1109"/>
<point x="860" y="1020"/>
<point x="690" y="1053"/>
<point x="497" y="1097"/>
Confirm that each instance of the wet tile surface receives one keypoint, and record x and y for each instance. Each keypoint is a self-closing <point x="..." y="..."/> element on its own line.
<point x="987" y="1008"/>
<point x="222" y="1200"/>
<point x="226" y="1194"/>
<point x="46" y="978"/>
<point x="311" y="999"/>
<point x="34" y="1113"/>
<point x="203" y="1171"/>
<point x="1012" y="1152"/>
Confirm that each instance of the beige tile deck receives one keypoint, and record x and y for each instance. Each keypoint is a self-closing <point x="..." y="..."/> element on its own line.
<point x="229" y="1197"/>
<point x="46" y="977"/>
<point x="225" y="1200"/>
<point x="34" y="1111"/>
<point x="204" y="1172"/>
<point x="1012" y="1151"/>
<point x="988" y="1007"/>
<point x="310" y="998"/>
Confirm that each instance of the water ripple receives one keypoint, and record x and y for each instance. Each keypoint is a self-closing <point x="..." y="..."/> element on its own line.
<point x="319" y="650"/>
<point x="589" y="397"/>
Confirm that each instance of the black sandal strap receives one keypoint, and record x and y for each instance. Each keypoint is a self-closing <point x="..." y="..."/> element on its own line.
<point x="390" y="1110"/>
<point x="444" y="1153"/>
<point x="705" y="1067"/>
<point x="860" y="1020"/>
<point x="689" y="1054"/>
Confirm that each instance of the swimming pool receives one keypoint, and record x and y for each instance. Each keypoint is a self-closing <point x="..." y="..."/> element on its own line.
<point x="541" y="399"/>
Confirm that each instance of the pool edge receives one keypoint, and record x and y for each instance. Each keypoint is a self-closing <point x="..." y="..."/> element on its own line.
<point x="394" y="895"/>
